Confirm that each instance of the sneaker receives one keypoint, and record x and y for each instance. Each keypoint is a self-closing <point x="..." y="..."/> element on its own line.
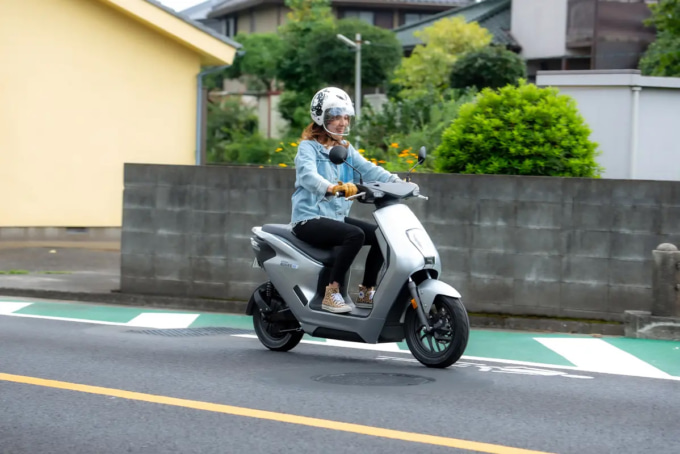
<point x="365" y="300"/>
<point x="334" y="302"/>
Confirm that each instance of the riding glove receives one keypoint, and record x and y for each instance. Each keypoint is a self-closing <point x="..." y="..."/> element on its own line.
<point x="349" y="189"/>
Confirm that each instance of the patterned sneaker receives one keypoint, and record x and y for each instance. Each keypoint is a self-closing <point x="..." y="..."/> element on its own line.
<point x="365" y="300"/>
<point x="334" y="302"/>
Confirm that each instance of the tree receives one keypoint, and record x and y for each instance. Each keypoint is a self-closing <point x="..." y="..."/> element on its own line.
<point x="295" y="69"/>
<point x="662" y="58"/>
<point x="491" y="66"/>
<point x="257" y="64"/>
<point x="519" y="130"/>
<point x="429" y="65"/>
<point x="335" y="61"/>
<point x="313" y="57"/>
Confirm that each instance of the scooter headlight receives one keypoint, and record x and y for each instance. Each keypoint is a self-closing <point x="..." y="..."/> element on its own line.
<point x="422" y="242"/>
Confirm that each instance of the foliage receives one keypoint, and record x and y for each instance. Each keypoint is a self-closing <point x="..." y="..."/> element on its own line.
<point x="227" y="121"/>
<point x="233" y="137"/>
<point x="665" y="16"/>
<point x="256" y="149"/>
<point x="295" y="69"/>
<point x="335" y="61"/>
<point x="294" y="108"/>
<point x="662" y="57"/>
<point x="519" y="130"/>
<point x="429" y="65"/>
<point x="392" y="136"/>
<point x="305" y="11"/>
<point x="491" y="66"/>
<point x="256" y="63"/>
<point x="245" y="149"/>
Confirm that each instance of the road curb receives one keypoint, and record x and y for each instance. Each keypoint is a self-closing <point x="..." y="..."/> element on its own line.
<point x="493" y="321"/>
<point x="134" y="299"/>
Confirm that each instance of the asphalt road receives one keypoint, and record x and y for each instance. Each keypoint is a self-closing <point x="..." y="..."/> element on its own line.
<point x="83" y="388"/>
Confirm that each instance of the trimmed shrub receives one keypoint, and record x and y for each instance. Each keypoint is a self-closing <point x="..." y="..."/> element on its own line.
<point x="522" y="130"/>
<point x="489" y="67"/>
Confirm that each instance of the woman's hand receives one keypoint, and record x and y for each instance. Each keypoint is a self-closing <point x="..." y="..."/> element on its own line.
<point x="349" y="189"/>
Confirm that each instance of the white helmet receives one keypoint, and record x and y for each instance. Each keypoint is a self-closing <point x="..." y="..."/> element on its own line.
<point x="330" y="103"/>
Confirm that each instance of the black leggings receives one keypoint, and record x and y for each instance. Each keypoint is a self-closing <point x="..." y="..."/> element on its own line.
<point x="351" y="235"/>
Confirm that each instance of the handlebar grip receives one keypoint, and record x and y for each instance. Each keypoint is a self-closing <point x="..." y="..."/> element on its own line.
<point x="340" y="194"/>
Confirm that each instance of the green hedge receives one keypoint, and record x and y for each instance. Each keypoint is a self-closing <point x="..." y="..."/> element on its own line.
<point x="519" y="130"/>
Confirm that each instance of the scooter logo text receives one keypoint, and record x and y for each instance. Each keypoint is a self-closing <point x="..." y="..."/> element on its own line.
<point x="289" y="265"/>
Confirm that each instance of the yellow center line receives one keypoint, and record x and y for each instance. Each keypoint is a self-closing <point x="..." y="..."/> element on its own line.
<point x="272" y="416"/>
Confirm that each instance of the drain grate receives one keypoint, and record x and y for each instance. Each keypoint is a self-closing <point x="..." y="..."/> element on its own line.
<point x="373" y="379"/>
<point x="190" y="332"/>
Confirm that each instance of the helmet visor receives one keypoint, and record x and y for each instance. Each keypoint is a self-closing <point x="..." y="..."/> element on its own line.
<point x="338" y="120"/>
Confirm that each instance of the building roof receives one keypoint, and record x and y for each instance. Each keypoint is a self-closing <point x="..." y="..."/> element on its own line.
<point x="494" y="15"/>
<point x="199" y="10"/>
<point x="214" y="49"/>
<point x="231" y="6"/>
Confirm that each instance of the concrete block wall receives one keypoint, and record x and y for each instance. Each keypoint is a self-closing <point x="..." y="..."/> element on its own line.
<point x="544" y="246"/>
<point x="186" y="229"/>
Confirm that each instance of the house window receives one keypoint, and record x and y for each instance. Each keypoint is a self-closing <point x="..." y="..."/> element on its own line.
<point x="229" y="26"/>
<point x="367" y="16"/>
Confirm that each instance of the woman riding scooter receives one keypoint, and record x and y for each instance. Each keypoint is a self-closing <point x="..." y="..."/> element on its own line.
<point x="318" y="216"/>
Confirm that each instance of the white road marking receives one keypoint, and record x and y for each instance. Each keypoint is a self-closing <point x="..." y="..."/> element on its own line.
<point x="597" y="355"/>
<point x="162" y="320"/>
<point x="647" y="372"/>
<point x="66" y="319"/>
<point x="6" y="307"/>
<point x="515" y="370"/>
<point x="386" y="347"/>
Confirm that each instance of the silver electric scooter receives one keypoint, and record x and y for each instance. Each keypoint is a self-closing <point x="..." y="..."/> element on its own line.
<point x="409" y="301"/>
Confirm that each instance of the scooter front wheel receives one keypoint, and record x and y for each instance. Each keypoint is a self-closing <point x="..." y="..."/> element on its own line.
<point x="269" y="332"/>
<point x="445" y="344"/>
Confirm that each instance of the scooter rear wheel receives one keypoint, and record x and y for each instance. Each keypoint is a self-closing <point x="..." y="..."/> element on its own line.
<point x="446" y="343"/>
<point x="269" y="333"/>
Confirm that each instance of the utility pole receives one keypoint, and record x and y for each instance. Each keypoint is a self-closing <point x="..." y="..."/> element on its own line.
<point x="356" y="45"/>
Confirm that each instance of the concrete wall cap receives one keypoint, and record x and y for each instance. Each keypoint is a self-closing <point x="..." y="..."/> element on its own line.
<point x="668" y="247"/>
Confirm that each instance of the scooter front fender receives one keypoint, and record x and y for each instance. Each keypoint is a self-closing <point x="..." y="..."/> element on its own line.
<point x="430" y="288"/>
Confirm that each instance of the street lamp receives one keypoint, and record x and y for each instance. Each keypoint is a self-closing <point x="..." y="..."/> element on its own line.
<point x="356" y="44"/>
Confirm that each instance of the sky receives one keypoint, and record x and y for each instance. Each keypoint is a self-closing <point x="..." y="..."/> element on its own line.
<point x="179" y="5"/>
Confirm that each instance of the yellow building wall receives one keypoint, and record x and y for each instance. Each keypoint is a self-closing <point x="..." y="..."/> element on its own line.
<point x="84" y="89"/>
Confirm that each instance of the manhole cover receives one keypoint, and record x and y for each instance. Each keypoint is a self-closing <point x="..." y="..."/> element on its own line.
<point x="190" y="332"/>
<point x="373" y="379"/>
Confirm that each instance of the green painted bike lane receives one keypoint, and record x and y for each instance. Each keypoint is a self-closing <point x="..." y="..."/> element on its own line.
<point x="558" y="349"/>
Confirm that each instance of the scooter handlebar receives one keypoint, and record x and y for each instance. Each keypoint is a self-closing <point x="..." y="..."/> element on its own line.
<point x="352" y="197"/>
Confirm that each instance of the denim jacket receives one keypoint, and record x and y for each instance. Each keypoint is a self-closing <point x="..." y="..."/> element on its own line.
<point x="315" y="173"/>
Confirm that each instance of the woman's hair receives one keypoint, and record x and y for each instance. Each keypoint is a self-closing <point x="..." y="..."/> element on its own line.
<point x="318" y="133"/>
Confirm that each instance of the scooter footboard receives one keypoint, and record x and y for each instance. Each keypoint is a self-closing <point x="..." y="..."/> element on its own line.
<point x="430" y="288"/>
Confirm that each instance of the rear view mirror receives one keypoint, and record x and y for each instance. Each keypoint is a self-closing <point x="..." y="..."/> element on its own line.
<point x="422" y="154"/>
<point x="338" y="154"/>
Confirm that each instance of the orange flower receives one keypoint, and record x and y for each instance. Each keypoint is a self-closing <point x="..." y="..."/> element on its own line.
<point x="283" y="165"/>
<point x="361" y="151"/>
<point x="410" y="161"/>
<point x="394" y="145"/>
<point x="382" y="161"/>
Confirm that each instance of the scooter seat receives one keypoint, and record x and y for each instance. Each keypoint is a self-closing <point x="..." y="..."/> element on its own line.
<point x="325" y="256"/>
